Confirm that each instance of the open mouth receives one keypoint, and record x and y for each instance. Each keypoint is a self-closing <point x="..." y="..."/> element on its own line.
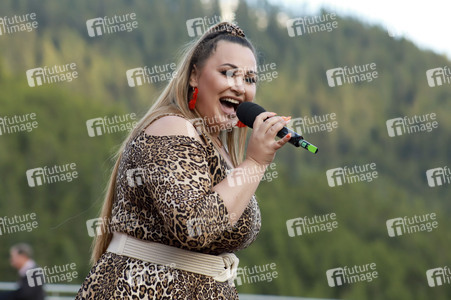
<point x="229" y="105"/>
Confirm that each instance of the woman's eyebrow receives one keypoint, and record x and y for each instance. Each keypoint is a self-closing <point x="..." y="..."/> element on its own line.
<point x="236" y="67"/>
<point x="230" y="65"/>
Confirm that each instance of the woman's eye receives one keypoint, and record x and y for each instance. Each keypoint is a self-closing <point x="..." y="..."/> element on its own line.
<point x="229" y="73"/>
<point x="232" y="73"/>
<point x="251" y="79"/>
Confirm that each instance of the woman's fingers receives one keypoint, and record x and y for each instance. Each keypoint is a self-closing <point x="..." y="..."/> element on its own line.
<point x="269" y="123"/>
<point x="262" y="145"/>
<point x="280" y="143"/>
<point x="275" y="125"/>
<point x="261" y="119"/>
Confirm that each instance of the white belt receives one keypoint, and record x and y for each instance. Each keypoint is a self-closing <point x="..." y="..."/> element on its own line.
<point x="222" y="267"/>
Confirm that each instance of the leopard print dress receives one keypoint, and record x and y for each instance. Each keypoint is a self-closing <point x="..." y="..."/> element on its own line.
<point x="164" y="194"/>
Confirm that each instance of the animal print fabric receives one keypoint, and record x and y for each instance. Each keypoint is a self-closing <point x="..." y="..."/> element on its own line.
<point x="164" y="194"/>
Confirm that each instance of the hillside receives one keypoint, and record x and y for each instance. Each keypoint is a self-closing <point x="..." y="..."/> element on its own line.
<point x="300" y="87"/>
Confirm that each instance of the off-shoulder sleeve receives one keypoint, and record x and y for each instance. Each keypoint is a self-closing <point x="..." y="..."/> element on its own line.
<point x="180" y="184"/>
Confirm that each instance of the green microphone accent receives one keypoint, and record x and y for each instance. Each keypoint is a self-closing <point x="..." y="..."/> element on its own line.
<point x="312" y="148"/>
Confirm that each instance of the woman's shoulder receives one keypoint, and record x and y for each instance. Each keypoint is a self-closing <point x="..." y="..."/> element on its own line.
<point x="172" y="127"/>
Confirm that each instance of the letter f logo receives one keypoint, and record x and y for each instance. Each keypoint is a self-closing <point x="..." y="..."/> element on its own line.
<point x="295" y="226"/>
<point x="35" y="177"/>
<point x="95" y="27"/>
<point x="335" y="277"/>
<point x="2" y="26"/>
<point x="35" y="277"/>
<point x="195" y="27"/>
<point x="295" y="26"/>
<point x="435" y="77"/>
<point x="135" y="77"/>
<point x="95" y="127"/>
<point x="35" y="77"/>
<point x="395" y="227"/>
<point x="335" y="177"/>
<point x="335" y="77"/>
<point x="435" y="177"/>
<point x="435" y="277"/>
<point x="395" y="127"/>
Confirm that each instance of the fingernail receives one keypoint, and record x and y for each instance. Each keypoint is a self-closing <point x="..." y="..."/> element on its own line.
<point x="288" y="136"/>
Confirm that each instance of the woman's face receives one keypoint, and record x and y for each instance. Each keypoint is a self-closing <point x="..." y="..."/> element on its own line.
<point x="227" y="78"/>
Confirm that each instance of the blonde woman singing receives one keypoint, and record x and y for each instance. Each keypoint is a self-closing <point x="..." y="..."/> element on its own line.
<point x="179" y="221"/>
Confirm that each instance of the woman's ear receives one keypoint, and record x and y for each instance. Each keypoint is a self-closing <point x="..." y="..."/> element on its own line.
<point x="193" y="76"/>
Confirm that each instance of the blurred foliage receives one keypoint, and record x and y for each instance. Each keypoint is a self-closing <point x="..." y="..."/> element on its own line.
<point x="301" y="189"/>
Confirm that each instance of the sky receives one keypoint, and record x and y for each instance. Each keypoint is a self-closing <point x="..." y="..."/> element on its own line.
<point x="426" y="23"/>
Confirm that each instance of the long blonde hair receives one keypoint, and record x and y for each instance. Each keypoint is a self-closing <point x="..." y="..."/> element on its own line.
<point x="174" y="99"/>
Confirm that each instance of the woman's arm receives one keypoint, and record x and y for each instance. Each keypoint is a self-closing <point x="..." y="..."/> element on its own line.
<point x="240" y="185"/>
<point x="260" y="153"/>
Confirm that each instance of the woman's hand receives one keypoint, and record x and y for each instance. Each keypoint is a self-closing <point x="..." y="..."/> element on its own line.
<point x="261" y="151"/>
<point x="262" y="147"/>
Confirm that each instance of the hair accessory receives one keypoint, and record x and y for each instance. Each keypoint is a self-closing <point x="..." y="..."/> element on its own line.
<point x="229" y="28"/>
<point x="192" y="102"/>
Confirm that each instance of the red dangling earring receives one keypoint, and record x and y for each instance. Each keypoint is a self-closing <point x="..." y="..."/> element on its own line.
<point x="192" y="102"/>
<point x="240" y="124"/>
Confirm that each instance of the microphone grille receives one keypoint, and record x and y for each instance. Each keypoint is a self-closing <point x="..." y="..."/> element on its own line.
<point x="247" y="112"/>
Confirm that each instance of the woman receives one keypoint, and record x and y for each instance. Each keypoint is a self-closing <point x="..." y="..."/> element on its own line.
<point x="179" y="185"/>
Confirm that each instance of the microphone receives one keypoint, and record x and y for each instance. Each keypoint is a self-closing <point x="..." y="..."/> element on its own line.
<point x="248" y="111"/>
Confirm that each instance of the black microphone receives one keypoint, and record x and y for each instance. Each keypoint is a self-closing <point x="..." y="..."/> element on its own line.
<point x="248" y="111"/>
